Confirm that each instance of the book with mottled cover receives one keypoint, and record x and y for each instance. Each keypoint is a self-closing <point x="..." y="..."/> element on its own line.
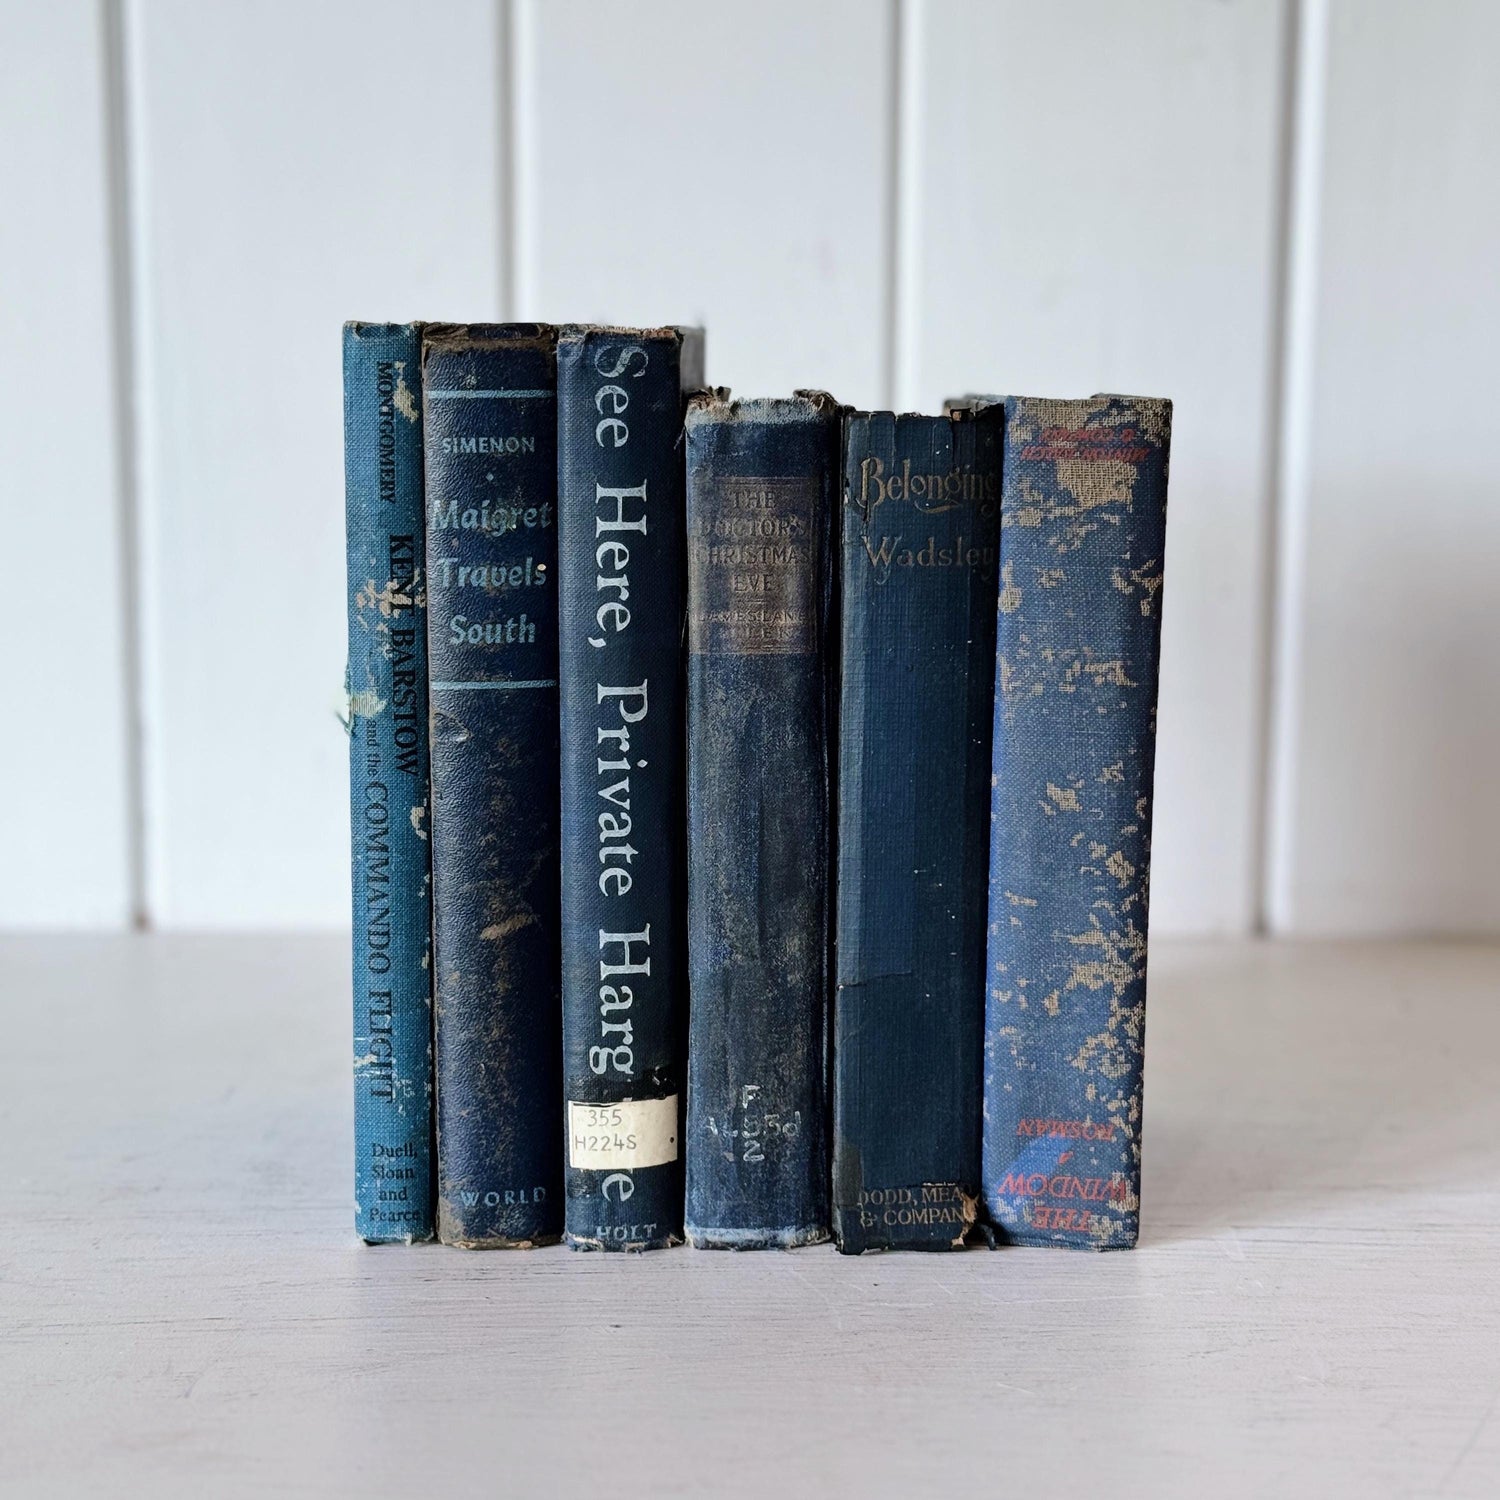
<point x="1081" y="555"/>
<point x="388" y="782"/>
<point x="489" y="399"/>
<point x="919" y="563"/>
<point x="620" y="396"/>
<point x="763" y="485"/>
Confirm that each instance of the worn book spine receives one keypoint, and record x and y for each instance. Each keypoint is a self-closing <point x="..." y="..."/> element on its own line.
<point x="763" y="485"/>
<point x="489" y="397"/>
<point x="388" y="782"/>
<point x="1081" y="553"/>
<point x="624" y="1001"/>
<point x="920" y="550"/>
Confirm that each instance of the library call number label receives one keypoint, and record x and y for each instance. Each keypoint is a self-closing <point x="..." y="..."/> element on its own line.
<point x="622" y="1136"/>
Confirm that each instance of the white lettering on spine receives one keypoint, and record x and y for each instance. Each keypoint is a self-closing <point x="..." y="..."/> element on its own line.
<point x="621" y="1136"/>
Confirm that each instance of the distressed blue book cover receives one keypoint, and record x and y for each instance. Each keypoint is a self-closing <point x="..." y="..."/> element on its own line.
<point x="1081" y="552"/>
<point x="920" y="550"/>
<point x="763" y="484"/>
<point x="491" y="416"/>
<point x="388" y="782"/>
<point x="624" y="1002"/>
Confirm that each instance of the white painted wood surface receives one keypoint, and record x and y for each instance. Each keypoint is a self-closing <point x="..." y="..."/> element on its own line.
<point x="294" y="166"/>
<point x="65" y="856"/>
<point x="1390" y="810"/>
<point x="678" y="162"/>
<point x="849" y="195"/>
<point x="1313" y="1311"/>
<point x="1093" y="204"/>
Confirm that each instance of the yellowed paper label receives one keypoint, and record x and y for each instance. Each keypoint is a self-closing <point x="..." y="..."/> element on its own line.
<point x="624" y="1136"/>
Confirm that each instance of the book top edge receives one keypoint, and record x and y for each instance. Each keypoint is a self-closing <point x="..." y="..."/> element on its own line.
<point x="667" y="332"/>
<point x="489" y="335"/>
<point x="360" y="328"/>
<point x="953" y="411"/>
<point x="978" y="401"/>
<point x="1150" y="416"/>
<point x="716" y="405"/>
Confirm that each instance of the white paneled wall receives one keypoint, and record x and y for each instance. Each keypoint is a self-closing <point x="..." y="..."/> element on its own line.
<point x="291" y="166"/>
<point x="1094" y="205"/>
<point x="1388" y="766"/>
<point x="1282" y="213"/>
<point x="729" y="166"/>
<point x="66" y="841"/>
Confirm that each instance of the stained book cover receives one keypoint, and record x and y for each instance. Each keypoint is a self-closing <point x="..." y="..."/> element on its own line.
<point x="763" y="485"/>
<point x="388" y="782"/>
<point x="489" y="398"/>
<point x="624" y="1001"/>
<point x="1081" y="554"/>
<point x="920" y="519"/>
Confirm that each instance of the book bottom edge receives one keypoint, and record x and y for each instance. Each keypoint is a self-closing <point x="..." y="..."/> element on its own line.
<point x="704" y="1237"/>
<point x="535" y="1242"/>
<point x="587" y="1242"/>
<point x="1005" y="1239"/>
<point x="422" y="1237"/>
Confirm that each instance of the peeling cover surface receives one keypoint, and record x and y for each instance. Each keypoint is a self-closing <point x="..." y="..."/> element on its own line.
<point x="388" y="782"/>
<point x="920" y="550"/>
<point x="1084" y="523"/>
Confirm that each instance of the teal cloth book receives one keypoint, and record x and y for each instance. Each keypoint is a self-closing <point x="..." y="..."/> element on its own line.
<point x="1081" y="556"/>
<point x="388" y="782"/>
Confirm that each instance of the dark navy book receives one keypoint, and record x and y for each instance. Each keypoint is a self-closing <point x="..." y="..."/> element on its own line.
<point x="920" y="548"/>
<point x="624" y="1003"/>
<point x="763" y="485"/>
<point x="491" y="417"/>
<point x="1084" y="525"/>
<point x="388" y="782"/>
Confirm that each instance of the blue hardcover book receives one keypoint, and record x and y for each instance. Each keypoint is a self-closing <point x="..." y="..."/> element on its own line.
<point x="491" y="415"/>
<point x="920" y="546"/>
<point x="388" y="786"/>
<point x="1084" y="522"/>
<point x="763" y="484"/>
<point x="620" y="504"/>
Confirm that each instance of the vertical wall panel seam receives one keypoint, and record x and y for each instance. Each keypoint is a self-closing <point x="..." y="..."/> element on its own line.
<point x="144" y="398"/>
<point x="521" y="148"/>
<point x="1295" y="421"/>
<point x="121" y="347"/>
<point x="1285" y="116"/>
<point x="906" y="193"/>
<point x="895" y="129"/>
<point x="505" y="123"/>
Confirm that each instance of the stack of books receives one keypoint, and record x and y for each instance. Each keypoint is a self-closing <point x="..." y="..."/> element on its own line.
<point x="751" y="801"/>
